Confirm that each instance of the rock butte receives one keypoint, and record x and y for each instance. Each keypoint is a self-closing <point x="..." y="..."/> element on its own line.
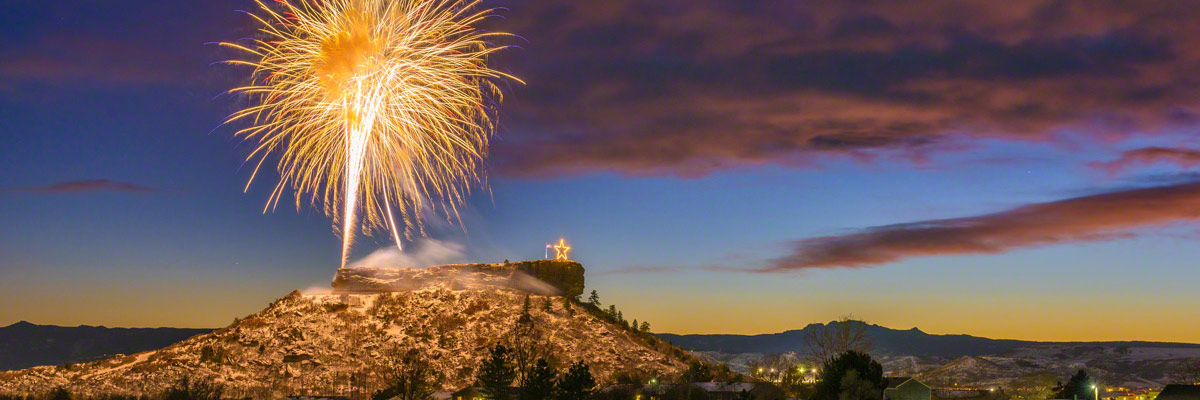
<point x="541" y="277"/>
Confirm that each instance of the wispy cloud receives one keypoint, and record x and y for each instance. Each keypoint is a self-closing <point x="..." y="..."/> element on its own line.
<point x="669" y="269"/>
<point x="1148" y="155"/>
<point x="639" y="270"/>
<point x="79" y="59"/>
<point x="1096" y="217"/>
<point x="84" y="186"/>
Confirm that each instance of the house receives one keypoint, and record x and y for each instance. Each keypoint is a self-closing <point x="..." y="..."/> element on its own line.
<point x="736" y="390"/>
<point x="1179" y="392"/>
<point x="725" y="387"/>
<point x="468" y="393"/>
<point x="905" y="388"/>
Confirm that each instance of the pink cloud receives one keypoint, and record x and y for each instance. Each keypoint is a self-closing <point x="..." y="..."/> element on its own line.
<point x="1097" y="217"/>
<point x="1186" y="158"/>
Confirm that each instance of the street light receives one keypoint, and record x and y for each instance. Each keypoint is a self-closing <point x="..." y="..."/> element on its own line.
<point x="1096" y="389"/>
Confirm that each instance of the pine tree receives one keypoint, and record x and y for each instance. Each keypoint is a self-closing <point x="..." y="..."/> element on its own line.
<point x="546" y="305"/>
<point x="1079" y="387"/>
<point x="594" y="299"/>
<point x="525" y="318"/>
<point x="539" y="383"/>
<point x="698" y="372"/>
<point x="577" y="383"/>
<point x="612" y="311"/>
<point x="634" y="326"/>
<point x="645" y="327"/>
<point x="497" y="373"/>
<point x="567" y="306"/>
<point x="60" y="393"/>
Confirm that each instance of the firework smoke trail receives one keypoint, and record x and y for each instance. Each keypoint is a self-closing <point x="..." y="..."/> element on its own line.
<point x="358" y="130"/>
<point x="371" y="105"/>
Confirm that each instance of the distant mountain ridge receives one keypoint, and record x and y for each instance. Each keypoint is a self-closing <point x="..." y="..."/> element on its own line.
<point x="884" y="341"/>
<point x="972" y="361"/>
<point x="24" y="344"/>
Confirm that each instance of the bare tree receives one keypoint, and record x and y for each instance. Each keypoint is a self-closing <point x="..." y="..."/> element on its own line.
<point x="828" y="341"/>
<point x="528" y="344"/>
<point x="409" y="377"/>
<point x="776" y="368"/>
<point x="1190" y="373"/>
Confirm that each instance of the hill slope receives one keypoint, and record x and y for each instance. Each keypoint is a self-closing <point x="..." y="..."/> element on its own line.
<point x="966" y="360"/>
<point x="331" y="344"/>
<point x="23" y="345"/>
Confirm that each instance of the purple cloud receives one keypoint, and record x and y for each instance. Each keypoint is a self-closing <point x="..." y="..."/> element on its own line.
<point x="85" y="186"/>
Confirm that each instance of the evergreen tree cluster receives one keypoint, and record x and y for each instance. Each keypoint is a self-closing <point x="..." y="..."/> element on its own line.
<point x="543" y="382"/>
<point x="639" y="329"/>
<point x="615" y="316"/>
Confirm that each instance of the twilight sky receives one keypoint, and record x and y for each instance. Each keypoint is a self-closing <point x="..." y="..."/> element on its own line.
<point x="1017" y="169"/>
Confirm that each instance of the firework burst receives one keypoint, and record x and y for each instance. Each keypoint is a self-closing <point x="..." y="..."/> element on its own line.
<point x="373" y="108"/>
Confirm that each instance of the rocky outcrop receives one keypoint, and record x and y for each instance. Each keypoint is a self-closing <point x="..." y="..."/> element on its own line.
<point x="541" y="277"/>
<point x="567" y="276"/>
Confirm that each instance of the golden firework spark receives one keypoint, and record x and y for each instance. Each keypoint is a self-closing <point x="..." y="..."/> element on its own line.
<point x="370" y="106"/>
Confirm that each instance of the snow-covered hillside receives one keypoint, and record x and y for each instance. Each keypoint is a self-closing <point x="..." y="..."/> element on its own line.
<point x="1030" y="366"/>
<point x="332" y="344"/>
<point x="1119" y="365"/>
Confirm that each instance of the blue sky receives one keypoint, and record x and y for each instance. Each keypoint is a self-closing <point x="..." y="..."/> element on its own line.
<point x="674" y="181"/>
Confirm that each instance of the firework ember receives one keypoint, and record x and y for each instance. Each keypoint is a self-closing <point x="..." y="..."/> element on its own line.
<point x="373" y="108"/>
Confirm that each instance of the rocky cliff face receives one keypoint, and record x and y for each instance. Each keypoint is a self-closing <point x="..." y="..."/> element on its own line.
<point x="543" y="277"/>
<point x="337" y="344"/>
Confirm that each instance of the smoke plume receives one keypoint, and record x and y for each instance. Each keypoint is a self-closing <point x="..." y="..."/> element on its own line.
<point x="419" y="255"/>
